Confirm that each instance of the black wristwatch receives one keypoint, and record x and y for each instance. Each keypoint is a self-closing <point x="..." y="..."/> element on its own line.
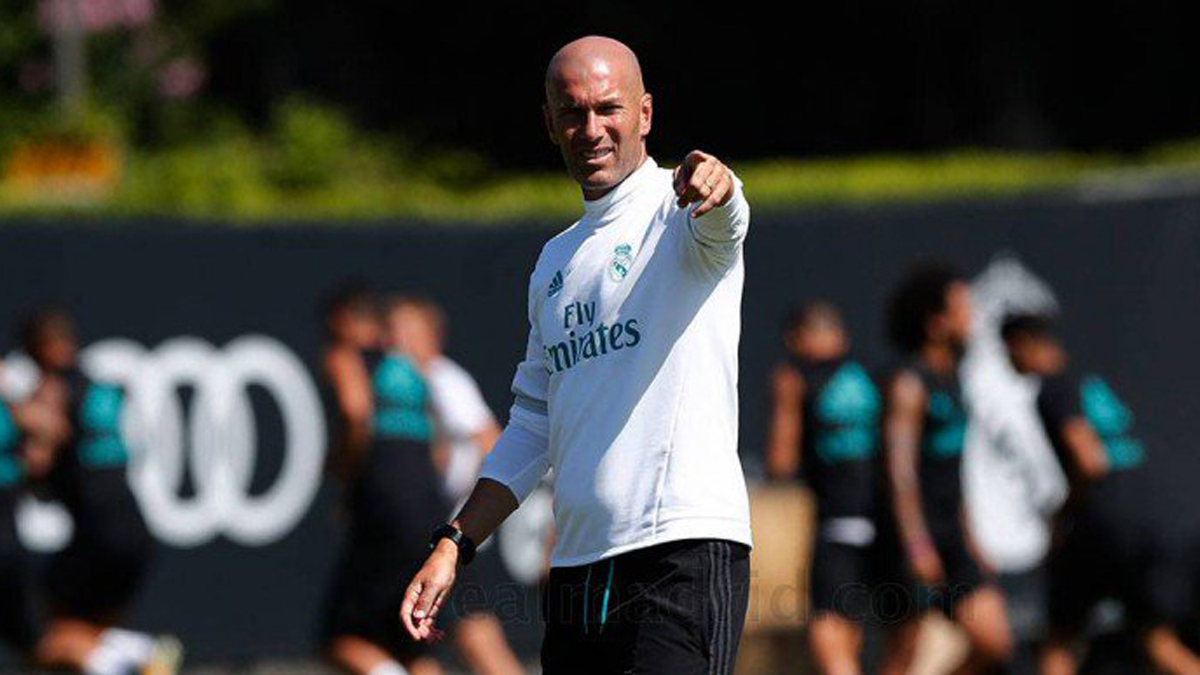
<point x="466" y="547"/>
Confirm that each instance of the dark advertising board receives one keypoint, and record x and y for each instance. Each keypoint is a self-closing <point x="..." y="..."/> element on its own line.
<point x="215" y="331"/>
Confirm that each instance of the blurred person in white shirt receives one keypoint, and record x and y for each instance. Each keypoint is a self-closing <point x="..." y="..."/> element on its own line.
<point x="465" y="433"/>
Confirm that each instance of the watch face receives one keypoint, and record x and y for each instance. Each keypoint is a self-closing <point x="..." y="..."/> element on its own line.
<point x="439" y="533"/>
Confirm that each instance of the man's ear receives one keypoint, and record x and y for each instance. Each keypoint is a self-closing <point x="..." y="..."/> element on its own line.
<point x="647" y="113"/>
<point x="549" y="124"/>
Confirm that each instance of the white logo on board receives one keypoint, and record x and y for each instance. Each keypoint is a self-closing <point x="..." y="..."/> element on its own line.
<point x="213" y="439"/>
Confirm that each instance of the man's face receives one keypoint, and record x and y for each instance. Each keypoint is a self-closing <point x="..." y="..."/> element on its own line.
<point x="356" y="327"/>
<point x="819" y="340"/>
<point x="1036" y="355"/>
<point x="953" y="325"/>
<point x="55" y="348"/>
<point x="958" y="313"/>
<point x="413" y="333"/>
<point x="598" y="118"/>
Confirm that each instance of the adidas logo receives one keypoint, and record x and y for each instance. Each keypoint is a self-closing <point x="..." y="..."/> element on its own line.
<point x="556" y="285"/>
<point x="850" y="397"/>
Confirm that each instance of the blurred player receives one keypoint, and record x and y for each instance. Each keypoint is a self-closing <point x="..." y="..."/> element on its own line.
<point x="394" y="492"/>
<point x="93" y="581"/>
<point x="825" y="421"/>
<point x="350" y="315"/>
<point x="929" y="319"/>
<point x="1108" y="545"/>
<point x="29" y="431"/>
<point x="466" y="426"/>
<point x="461" y="416"/>
<point x="16" y="610"/>
<point x="17" y="622"/>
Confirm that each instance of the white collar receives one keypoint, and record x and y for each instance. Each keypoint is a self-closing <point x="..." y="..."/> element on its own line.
<point x="598" y="207"/>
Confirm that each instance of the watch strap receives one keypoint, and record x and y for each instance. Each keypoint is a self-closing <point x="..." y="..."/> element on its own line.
<point x="466" y="547"/>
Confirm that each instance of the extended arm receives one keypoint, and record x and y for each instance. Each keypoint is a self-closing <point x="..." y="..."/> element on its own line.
<point x="902" y="434"/>
<point x="787" y="423"/>
<point x="719" y="223"/>
<point x="1088" y="459"/>
<point x="45" y="423"/>
<point x="1168" y="653"/>
<point x="351" y="384"/>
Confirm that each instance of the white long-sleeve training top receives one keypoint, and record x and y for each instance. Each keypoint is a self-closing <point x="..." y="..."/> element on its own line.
<point x="628" y="388"/>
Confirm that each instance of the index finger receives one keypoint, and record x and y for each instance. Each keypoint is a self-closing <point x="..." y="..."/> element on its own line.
<point x="680" y="179"/>
<point x="697" y="182"/>
<point x="406" y="608"/>
<point x="683" y="172"/>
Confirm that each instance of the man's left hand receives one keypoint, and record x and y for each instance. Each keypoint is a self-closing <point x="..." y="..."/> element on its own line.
<point x="703" y="178"/>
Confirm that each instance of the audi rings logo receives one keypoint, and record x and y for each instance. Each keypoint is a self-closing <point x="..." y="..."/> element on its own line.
<point x="213" y="438"/>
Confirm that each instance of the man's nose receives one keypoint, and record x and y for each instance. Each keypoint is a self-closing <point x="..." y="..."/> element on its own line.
<point x="591" y="127"/>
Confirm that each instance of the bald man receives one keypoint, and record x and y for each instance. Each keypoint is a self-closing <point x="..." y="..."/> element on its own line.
<point x="628" y="392"/>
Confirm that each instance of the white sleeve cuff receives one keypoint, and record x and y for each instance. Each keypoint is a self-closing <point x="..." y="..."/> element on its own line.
<point x="522" y="454"/>
<point x="718" y="234"/>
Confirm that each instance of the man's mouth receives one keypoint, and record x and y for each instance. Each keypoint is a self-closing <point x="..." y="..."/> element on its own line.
<point x="595" y="156"/>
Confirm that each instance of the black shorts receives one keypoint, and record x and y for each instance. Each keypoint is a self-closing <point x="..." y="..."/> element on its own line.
<point x="100" y="572"/>
<point x="1097" y="558"/>
<point x="840" y="579"/>
<point x="368" y="587"/>
<point x="673" y="608"/>
<point x="1026" y="600"/>
<point x="394" y="506"/>
<point x="897" y="596"/>
<point x="397" y="494"/>
<point x="18" y="622"/>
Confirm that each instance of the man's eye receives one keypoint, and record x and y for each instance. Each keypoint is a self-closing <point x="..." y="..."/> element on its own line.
<point x="608" y="109"/>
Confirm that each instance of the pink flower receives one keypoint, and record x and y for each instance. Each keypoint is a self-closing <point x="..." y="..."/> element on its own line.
<point x="95" y="15"/>
<point x="180" y="78"/>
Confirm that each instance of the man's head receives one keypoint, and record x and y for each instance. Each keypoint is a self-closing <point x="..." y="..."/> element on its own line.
<point x="932" y="306"/>
<point x="597" y="112"/>
<point x="416" y="325"/>
<point x="47" y="334"/>
<point x="1032" y="346"/>
<point x="814" y="331"/>
<point x="351" y="317"/>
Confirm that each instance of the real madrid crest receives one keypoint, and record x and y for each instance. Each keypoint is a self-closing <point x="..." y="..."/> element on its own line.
<point x="622" y="261"/>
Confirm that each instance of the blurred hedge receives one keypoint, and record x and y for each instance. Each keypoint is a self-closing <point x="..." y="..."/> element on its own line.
<point x="311" y="163"/>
